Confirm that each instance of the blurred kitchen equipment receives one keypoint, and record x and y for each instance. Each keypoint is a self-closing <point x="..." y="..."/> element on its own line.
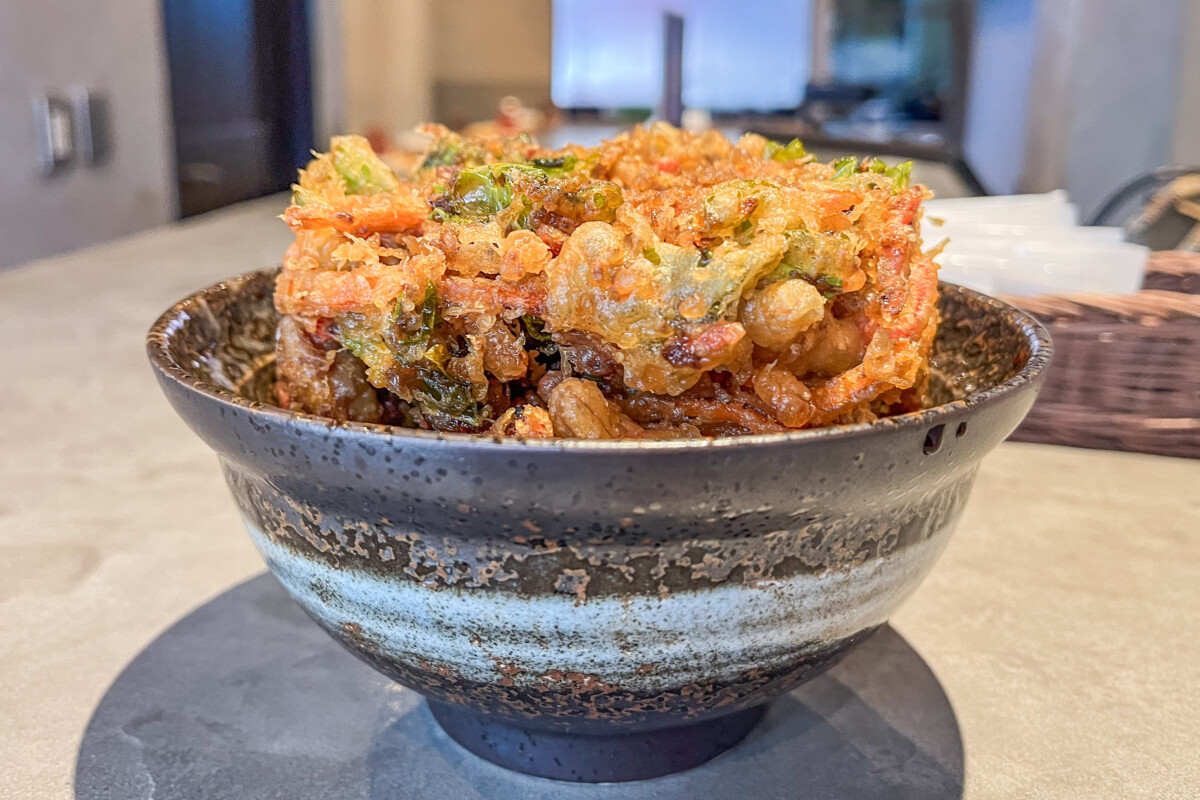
<point x="909" y="107"/>
<point x="241" y="98"/>
<point x="1160" y="209"/>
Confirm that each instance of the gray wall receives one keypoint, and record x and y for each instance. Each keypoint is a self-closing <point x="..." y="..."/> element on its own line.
<point x="998" y="91"/>
<point x="1105" y="100"/>
<point x="111" y="46"/>
<point x="1187" y="121"/>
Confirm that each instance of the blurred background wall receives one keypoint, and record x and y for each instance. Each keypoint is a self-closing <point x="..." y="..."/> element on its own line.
<point x="1077" y="94"/>
<point x="62" y="46"/>
<point x="387" y="55"/>
<point x="997" y="118"/>
<point x="1107" y="101"/>
<point x="1186" y="149"/>
<point x="410" y="61"/>
<point x="485" y="50"/>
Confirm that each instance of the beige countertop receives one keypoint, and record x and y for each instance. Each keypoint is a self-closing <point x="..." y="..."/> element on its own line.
<point x="1063" y="621"/>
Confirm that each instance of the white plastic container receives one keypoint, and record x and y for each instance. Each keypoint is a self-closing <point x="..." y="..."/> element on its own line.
<point x="932" y="233"/>
<point x="1032" y="267"/>
<point x="1052" y="208"/>
<point x="1029" y="244"/>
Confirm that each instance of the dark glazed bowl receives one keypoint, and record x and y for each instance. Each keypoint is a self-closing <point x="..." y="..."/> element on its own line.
<point x="586" y="610"/>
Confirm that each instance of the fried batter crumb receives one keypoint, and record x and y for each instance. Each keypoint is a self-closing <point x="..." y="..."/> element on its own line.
<point x="663" y="284"/>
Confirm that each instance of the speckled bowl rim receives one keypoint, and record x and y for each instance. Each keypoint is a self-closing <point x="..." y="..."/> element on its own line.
<point x="1041" y="351"/>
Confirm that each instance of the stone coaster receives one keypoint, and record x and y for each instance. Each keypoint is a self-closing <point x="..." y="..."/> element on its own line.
<point x="246" y="698"/>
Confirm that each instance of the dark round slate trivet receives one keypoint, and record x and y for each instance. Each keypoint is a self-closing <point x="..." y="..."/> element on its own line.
<point x="246" y="698"/>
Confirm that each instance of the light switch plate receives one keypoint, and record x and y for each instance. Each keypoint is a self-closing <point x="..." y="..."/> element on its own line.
<point x="92" y="126"/>
<point x="55" y="138"/>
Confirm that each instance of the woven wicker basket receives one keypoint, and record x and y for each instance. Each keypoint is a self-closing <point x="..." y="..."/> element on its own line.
<point x="1126" y="372"/>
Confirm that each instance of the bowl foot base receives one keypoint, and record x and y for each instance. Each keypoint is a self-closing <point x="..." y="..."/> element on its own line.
<point x="594" y="758"/>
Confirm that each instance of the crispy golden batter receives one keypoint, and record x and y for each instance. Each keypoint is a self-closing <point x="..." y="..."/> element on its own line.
<point x="662" y="284"/>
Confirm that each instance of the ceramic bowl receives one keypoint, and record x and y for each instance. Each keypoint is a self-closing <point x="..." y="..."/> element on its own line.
<point x="595" y="610"/>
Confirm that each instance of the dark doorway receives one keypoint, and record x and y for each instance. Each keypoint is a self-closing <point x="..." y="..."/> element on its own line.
<point x="241" y="97"/>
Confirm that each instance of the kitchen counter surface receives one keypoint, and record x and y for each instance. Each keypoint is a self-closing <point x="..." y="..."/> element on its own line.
<point x="1063" y="621"/>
